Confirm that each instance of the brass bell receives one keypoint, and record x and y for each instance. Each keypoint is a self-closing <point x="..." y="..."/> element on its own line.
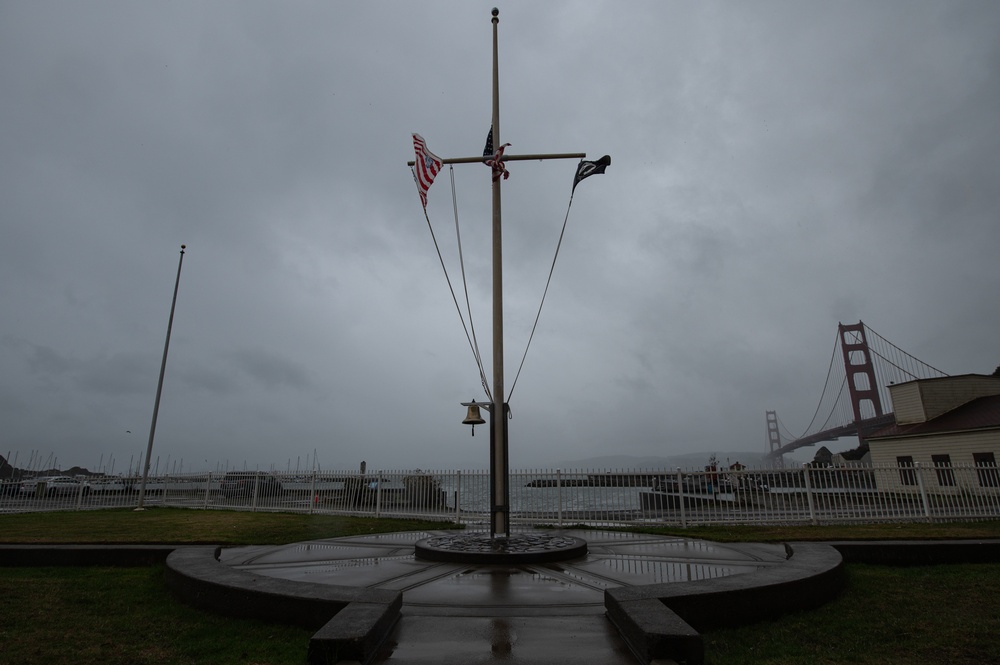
<point x="473" y="418"/>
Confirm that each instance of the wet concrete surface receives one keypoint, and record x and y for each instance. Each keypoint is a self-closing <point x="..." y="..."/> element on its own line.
<point x="517" y="614"/>
<point x="563" y="640"/>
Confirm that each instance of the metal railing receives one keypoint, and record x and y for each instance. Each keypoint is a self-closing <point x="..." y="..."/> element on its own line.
<point x="806" y="495"/>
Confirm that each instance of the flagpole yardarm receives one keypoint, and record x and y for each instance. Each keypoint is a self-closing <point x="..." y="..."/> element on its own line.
<point x="511" y="158"/>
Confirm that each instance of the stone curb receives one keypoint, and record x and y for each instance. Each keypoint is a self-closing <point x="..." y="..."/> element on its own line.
<point x="664" y="620"/>
<point x="84" y="555"/>
<point x="918" y="552"/>
<point x="653" y="631"/>
<point x="351" y="622"/>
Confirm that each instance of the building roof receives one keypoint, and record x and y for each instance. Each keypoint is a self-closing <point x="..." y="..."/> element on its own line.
<point x="980" y="413"/>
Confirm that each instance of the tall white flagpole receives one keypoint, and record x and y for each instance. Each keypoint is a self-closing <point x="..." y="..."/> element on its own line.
<point x="159" y="385"/>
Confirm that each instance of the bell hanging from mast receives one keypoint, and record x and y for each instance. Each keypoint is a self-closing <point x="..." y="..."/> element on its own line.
<point x="473" y="418"/>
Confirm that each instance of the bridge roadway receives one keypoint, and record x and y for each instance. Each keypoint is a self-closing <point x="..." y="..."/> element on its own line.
<point x="866" y="426"/>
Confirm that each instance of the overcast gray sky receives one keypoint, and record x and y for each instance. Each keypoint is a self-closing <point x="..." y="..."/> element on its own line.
<point x="778" y="167"/>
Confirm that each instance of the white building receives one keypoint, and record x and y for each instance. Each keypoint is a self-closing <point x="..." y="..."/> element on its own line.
<point x="949" y="424"/>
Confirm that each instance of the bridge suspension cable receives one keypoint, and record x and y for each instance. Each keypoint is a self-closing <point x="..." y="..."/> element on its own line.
<point x="830" y="373"/>
<point x="896" y="365"/>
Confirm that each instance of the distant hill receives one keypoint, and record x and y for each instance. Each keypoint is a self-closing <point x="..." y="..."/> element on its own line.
<point x="8" y="471"/>
<point x="684" y="461"/>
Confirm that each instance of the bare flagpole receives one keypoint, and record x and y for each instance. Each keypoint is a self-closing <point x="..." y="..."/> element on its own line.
<point x="500" y="490"/>
<point x="159" y="385"/>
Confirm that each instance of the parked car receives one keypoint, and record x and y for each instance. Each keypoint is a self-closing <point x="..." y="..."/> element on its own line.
<point x="53" y="485"/>
<point x="9" y="487"/>
<point x="752" y="484"/>
<point x="112" y="486"/>
<point x="241" y="483"/>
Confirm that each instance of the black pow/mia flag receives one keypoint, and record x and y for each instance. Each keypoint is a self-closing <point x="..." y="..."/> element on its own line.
<point x="586" y="169"/>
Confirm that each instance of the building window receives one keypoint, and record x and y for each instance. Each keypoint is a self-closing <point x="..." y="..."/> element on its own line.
<point x="942" y="467"/>
<point x="986" y="469"/>
<point x="907" y="475"/>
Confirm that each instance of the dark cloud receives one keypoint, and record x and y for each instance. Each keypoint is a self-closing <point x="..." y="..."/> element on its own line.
<point x="777" y="168"/>
<point x="271" y="370"/>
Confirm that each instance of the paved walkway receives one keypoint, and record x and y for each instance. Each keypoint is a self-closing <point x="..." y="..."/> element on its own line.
<point x="518" y="615"/>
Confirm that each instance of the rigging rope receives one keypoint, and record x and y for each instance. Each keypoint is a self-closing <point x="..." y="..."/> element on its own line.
<point x="454" y="298"/>
<point x="544" y="293"/>
<point x="465" y="286"/>
<point x="473" y="342"/>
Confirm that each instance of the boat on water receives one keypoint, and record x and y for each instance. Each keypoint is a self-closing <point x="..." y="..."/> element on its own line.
<point x="698" y="491"/>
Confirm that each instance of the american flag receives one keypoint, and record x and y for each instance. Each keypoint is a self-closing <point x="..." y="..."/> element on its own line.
<point x="425" y="167"/>
<point x="488" y="150"/>
<point x="493" y="158"/>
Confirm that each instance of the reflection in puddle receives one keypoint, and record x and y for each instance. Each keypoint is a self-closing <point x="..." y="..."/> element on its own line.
<point x="659" y="571"/>
<point x="502" y="639"/>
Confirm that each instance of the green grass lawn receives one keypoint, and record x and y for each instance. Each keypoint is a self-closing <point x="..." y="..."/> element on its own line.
<point x="126" y="616"/>
<point x="183" y="526"/>
<point x="222" y="527"/>
<point x="101" y="616"/>
<point x="947" y="614"/>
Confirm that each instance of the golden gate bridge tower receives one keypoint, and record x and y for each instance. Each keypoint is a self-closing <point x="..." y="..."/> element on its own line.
<point x="870" y="363"/>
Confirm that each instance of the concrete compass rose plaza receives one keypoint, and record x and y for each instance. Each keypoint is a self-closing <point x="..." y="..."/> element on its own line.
<point x="625" y="598"/>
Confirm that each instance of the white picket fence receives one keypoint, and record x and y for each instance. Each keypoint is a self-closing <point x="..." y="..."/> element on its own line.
<point x="804" y="495"/>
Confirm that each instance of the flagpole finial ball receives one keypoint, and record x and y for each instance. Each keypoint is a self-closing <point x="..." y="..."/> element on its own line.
<point x="183" y="246"/>
<point x="495" y="12"/>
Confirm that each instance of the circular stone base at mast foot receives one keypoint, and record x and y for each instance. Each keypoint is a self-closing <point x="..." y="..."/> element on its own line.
<point x="521" y="548"/>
